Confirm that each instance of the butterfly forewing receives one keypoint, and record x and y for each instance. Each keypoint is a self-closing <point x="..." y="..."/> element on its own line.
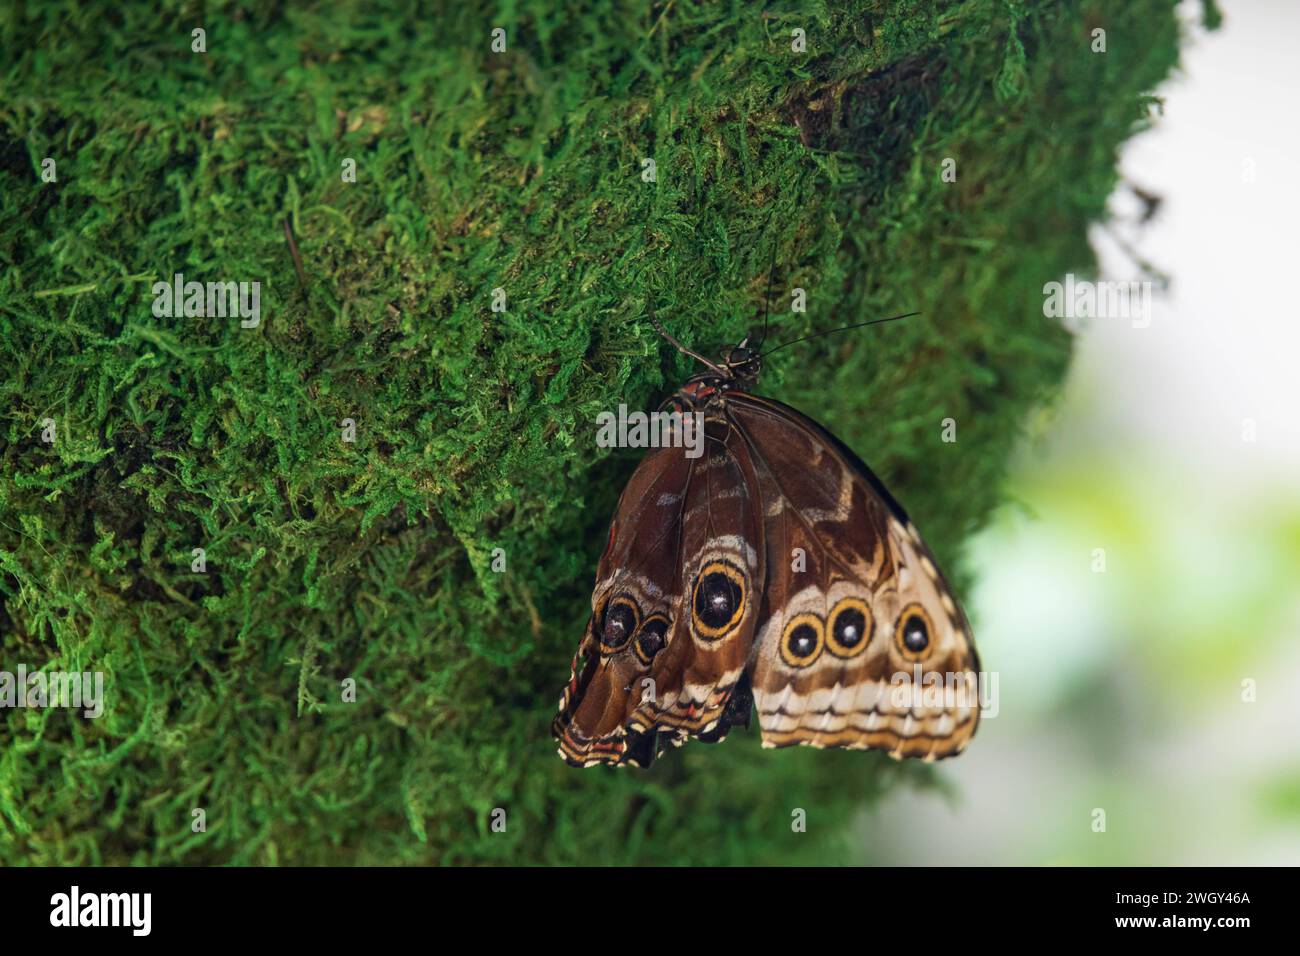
<point x="861" y="643"/>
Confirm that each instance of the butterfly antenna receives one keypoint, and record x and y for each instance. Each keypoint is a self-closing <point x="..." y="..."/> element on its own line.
<point x="767" y="299"/>
<point x="682" y="348"/>
<point x="843" y="328"/>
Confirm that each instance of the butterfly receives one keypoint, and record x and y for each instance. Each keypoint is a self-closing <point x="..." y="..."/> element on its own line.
<point x="774" y="571"/>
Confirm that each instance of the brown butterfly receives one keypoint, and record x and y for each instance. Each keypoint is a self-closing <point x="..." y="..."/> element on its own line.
<point x="773" y="569"/>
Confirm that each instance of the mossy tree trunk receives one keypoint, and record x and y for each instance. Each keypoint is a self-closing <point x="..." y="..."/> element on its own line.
<point x="523" y="170"/>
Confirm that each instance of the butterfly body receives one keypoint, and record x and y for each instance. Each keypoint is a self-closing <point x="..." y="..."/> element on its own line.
<point x="776" y="571"/>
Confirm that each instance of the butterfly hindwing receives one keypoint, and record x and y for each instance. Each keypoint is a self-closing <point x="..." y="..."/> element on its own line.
<point x="674" y="608"/>
<point x="857" y="621"/>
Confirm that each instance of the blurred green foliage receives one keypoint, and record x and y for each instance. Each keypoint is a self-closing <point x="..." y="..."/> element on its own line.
<point x="477" y="170"/>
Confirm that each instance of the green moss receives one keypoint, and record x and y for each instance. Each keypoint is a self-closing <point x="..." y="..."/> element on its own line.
<point x="475" y="430"/>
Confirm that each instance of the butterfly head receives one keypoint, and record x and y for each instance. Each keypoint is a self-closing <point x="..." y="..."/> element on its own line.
<point x="740" y="364"/>
<point x="743" y="362"/>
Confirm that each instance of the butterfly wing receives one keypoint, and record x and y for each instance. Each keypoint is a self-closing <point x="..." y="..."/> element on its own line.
<point x="674" y="608"/>
<point x="861" y="643"/>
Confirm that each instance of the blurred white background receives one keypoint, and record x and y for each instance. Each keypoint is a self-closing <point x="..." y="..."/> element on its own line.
<point x="1176" y="449"/>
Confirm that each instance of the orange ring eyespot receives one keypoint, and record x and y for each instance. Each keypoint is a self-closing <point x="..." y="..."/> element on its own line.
<point x="651" y="637"/>
<point x="849" y="628"/>
<point x="618" y="622"/>
<point x="802" y="640"/>
<point x="719" y="599"/>
<point x="914" y="634"/>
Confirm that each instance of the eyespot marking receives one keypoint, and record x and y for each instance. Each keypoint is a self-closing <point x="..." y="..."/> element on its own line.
<point x="719" y="599"/>
<point x="913" y="634"/>
<point x="617" y="623"/>
<point x="802" y="640"/>
<point x="851" y="627"/>
<point x="652" y="638"/>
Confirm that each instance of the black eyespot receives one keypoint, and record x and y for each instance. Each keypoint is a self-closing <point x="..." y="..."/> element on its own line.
<point x="916" y="636"/>
<point x="849" y="628"/>
<point x="718" y="597"/>
<point x="802" y="641"/>
<point x="618" y="625"/>
<point x="652" y="639"/>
